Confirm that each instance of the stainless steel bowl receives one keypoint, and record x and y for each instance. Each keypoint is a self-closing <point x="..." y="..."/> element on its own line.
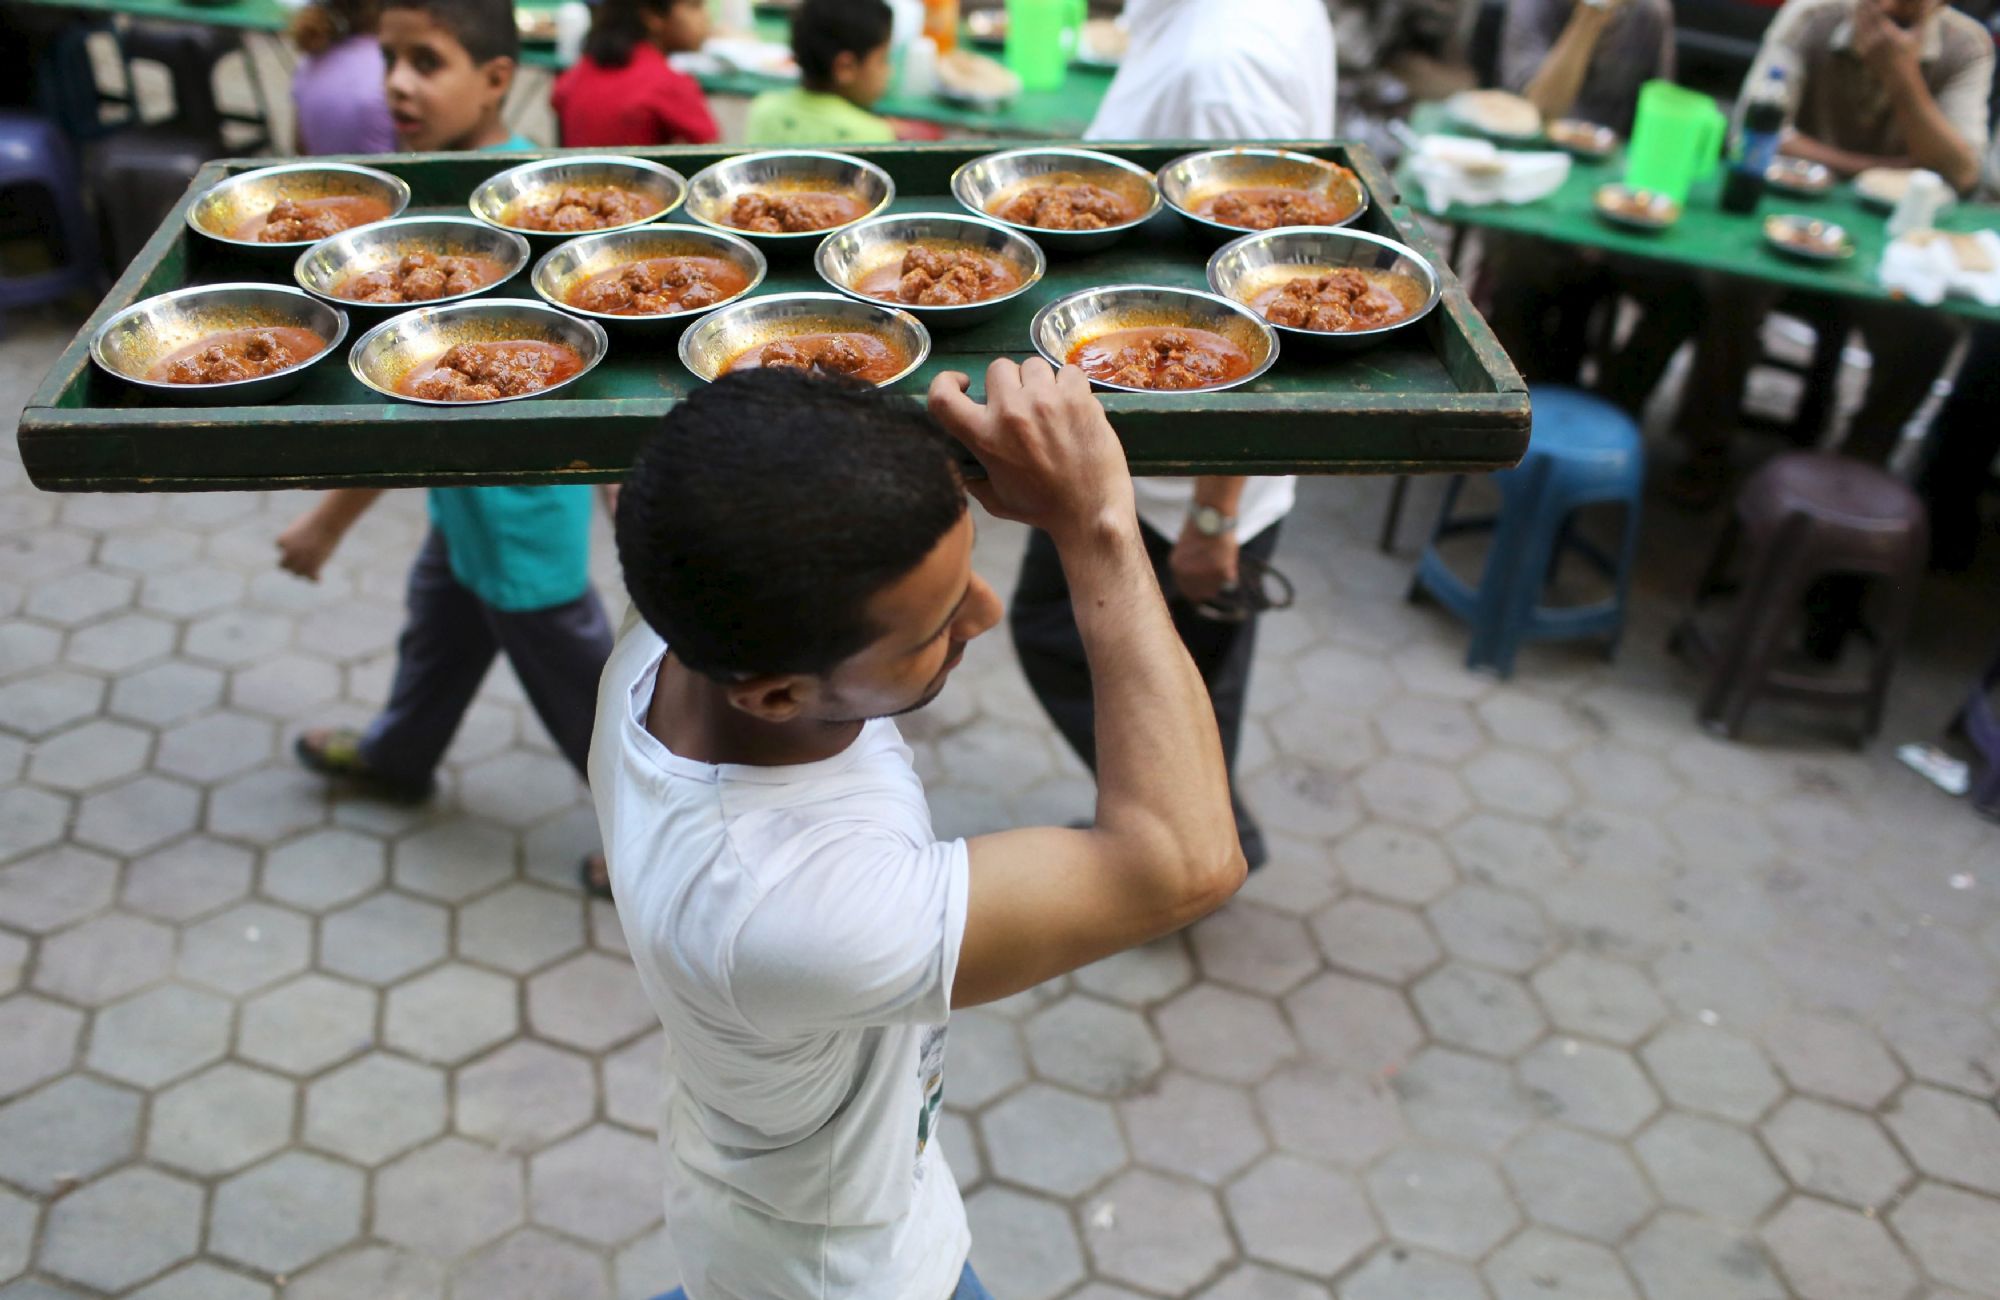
<point x="1590" y="141"/>
<point x="322" y="268"/>
<point x="1807" y="238"/>
<point x="1799" y="176"/>
<point x="568" y="265"/>
<point x="984" y="183"/>
<point x="864" y="248"/>
<point x="1077" y="318"/>
<point x="720" y="338"/>
<point x="1254" y="264"/>
<point x="384" y="355"/>
<point x="132" y="341"/>
<point x="1188" y="182"/>
<point x="227" y="204"/>
<point x="714" y="190"/>
<point x="1645" y="210"/>
<point x="498" y="193"/>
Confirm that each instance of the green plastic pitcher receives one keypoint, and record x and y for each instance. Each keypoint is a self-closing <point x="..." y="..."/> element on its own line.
<point x="1041" y="36"/>
<point x="1676" y="140"/>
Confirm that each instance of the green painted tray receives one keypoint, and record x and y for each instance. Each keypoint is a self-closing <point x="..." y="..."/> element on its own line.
<point x="1440" y="396"/>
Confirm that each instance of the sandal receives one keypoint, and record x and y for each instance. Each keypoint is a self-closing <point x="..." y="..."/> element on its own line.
<point x="336" y="752"/>
<point x="594" y="874"/>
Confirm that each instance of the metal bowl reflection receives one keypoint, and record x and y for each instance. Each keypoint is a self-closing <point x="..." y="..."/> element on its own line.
<point x="717" y="340"/>
<point x="714" y="191"/>
<point x="1256" y="264"/>
<point x="385" y="355"/>
<point x="1071" y="321"/>
<point x="495" y="201"/>
<point x="137" y="338"/>
<point x="985" y="183"/>
<point x="1807" y="238"/>
<point x="1799" y="176"/>
<point x="1189" y="182"/>
<point x="225" y="206"/>
<point x="864" y="248"/>
<point x="562" y="270"/>
<point x="1646" y="210"/>
<point x="324" y="267"/>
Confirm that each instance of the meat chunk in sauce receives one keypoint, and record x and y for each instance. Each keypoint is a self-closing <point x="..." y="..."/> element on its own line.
<point x="1341" y="300"/>
<point x="289" y="222"/>
<point x="655" y="286"/>
<point x="577" y="208"/>
<point x="1270" y="209"/>
<point x="239" y="354"/>
<point x="948" y="279"/>
<point x="1080" y="206"/>
<point x="481" y="372"/>
<point x="791" y="214"/>
<point x="422" y="277"/>
<point x="1170" y="360"/>
<point x="828" y="356"/>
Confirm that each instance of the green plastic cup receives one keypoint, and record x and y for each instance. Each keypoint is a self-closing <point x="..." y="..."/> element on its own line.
<point x="1040" y="36"/>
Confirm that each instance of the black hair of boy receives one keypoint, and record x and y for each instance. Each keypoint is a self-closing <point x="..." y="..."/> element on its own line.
<point x="823" y="30"/>
<point x="617" y="27"/>
<point x="767" y="510"/>
<point x="484" y="27"/>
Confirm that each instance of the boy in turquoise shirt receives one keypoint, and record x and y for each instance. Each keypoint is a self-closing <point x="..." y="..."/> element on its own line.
<point x="504" y="569"/>
<point x="842" y="48"/>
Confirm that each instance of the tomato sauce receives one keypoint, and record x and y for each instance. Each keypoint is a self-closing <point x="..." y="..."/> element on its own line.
<point x="482" y="372"/>
<point x="291" y="221"/>
<point x="1065" y="203"/>
<point x="1165" y="357"/>
<point x="577" y="208"/>
<point x="660" y="286"/>
<point x="940" y="276"/>
<point x="421" y="277"/>
<point x="1272" y="207"/>
<point x="237" y="354"/>
<point x="856" y="354"/>
<point x="1336" y="301"/>
<point x="795" y="212"/>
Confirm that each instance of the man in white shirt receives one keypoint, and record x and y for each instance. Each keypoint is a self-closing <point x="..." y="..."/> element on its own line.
<point x="800" y="552"/>
<point x="1195" y="70"/>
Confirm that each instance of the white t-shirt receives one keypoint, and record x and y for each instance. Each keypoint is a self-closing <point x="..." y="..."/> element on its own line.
<point x="797" y="931"/>
<point x="1221" y="70"/>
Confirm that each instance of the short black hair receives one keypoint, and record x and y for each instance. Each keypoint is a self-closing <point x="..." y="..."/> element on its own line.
<point x="823" y="30"/>
<point x="769" y="508"/>
<point x="484" y="27"/>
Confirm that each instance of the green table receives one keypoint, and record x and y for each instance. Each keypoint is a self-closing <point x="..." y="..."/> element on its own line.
<point x="1706" y="238"/>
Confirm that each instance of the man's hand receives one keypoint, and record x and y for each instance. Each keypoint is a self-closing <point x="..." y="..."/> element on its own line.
<point x="1889" y="51"/>
<point x="1052" y="460"/>
<point x="1203" y="566"/>
<point x="303" y="548"/>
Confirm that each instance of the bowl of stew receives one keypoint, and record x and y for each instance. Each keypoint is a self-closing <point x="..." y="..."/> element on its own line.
<point x="219" y="344"/>
<point x="1066" y="200"/>
<point x="947" y="269"/>
<point x="786" y="201"/>
<point x="285" y="209"/>
<point x="652" y="279"/>
<point x="477" y="353"/>
<point x="1223" y="193"/>
<point x="1138" y="338"/>
<point x="578" y="194"/>
<point x="1327" y="286"/>
<point x="821" y="333"/>
<point x="407" y="262"/>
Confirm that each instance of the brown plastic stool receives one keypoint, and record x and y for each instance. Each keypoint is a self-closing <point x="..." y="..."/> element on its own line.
<point x="1802" y="517"/>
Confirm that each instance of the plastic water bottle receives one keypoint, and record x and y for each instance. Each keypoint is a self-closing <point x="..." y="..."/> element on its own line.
<point x="1756" y="143"/>
<point x="920" y="69"/>
<point x="1923" y="199"/>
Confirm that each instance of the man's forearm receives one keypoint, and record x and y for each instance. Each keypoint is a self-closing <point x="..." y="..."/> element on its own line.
<point x="1934" y="143"/>
<point x="1222" y="491"/>
<point x="340" y="507"/>
<point x="1556" y="84"/>
<point x="1844" y="161"/>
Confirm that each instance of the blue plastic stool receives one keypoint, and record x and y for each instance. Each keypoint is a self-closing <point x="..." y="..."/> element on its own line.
<point x="33" y="152"/>
<point x="1583" y="451"/>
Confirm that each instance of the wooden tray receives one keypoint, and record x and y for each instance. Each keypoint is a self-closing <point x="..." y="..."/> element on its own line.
<point x="1440" y="396"/>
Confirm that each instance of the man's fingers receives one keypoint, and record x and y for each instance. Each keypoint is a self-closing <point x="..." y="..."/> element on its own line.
<point x="953" y="407"/>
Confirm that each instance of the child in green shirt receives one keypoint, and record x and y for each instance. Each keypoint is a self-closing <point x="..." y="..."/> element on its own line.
<point x="842" y="47"/>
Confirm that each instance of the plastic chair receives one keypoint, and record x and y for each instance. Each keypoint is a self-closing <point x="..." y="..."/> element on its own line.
<point x="1980" y="723"/>
<point x="1804" y="517"/>
<point x="34" y="156"/>
<point x="138" y="175"/>
<point x="1582" y="451"/>
<point x="190" y="52"/>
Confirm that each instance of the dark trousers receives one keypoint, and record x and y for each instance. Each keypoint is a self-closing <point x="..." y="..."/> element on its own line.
<point x="1963" y="443"/>
<point x="1051" y="648"/>
<point x="449" y="643"/>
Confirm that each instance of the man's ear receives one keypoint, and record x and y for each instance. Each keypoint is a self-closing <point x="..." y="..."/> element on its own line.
<point x="846" y="67"/>
<point x="782" y="698"/>
<point x="499" y="74"/>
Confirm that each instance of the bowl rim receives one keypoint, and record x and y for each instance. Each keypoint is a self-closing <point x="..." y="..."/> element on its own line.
<point x="1844" y="250"/>
<point x="1434" y="277"/>
<point x="1041" y="260"/>
<point x="361" y="344"/>
<point x="1255" y="372"/>
<point x="1288" y="155"/>
<point x="399" y="186"/>
<point x="340" y="328"/>
<point x="761" y="263"/>
<point x="1599" y="131"/>
<point x="1152" y="180"/>
<point x="520" y="245"/>
<point x="568" y="160"/>
<point x="1801" y="175"/>
<point x="793" y="236"/>
<point x="923" y="352"/>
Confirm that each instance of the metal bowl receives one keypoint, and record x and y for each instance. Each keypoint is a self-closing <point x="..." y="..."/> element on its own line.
<point x="133" y="340"/>
<point x="714" y="190"/>
<point x="1646" y="210"/>
<point x="563" y="269"/>
<point x="323" y="266"/>
<point x="720" y="338"/>
<point x="500" y="192"/>
<point x="227" y="204"/>
<point x="381" y="357"/>
<point x="985" y="182"/>
<point x="1074" y="319"/>
<point x="865" y="247"/>
<point x="1807" y="238"/>
<point x="1187" y="182"/>
<point x="1587" y="140"/>
<point x="1799" y="176"/>
<point x="1241" y="270"/>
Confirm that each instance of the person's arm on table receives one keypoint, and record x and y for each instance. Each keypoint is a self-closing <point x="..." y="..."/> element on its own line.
<point x="1933" y="131"/>
<point x="1844" y="162"/>
<point x="1203" y="564"/>
<point x="1163" y="851"/>
<point x="1559" y="73"/>
<point x="308" y="541"/>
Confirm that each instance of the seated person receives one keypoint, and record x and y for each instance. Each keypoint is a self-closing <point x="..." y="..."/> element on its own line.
<point x="1586" y="58"/>
<point x="842" y="47"/>
<point x="623" y="91"/>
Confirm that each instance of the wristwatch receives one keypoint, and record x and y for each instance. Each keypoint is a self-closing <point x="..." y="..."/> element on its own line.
<point x="1210" y="522"/>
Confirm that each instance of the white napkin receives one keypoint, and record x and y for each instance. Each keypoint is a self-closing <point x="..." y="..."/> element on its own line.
<point x="1926" y="271"/>
<point x="1459" y="169"/>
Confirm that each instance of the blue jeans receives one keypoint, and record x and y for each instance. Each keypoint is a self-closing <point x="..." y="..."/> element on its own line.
<point x="969" y="1288"/>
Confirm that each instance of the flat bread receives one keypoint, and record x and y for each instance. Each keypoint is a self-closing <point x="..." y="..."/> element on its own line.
<point x="1885" y="185"/>
<point x="966" y="75"/>
<point x="1496" y="112"/>
<point x="1969" y="251"/>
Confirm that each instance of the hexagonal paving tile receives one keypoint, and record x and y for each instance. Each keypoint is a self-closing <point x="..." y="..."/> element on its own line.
<point x="1301" y="1216"/>
<point x="1478" y="1010"/>
<point x="1434" y="729"/>
<point x="25" y="646"/>
<point x="118" y="645"/>
<point x="75" y="1128"/>
<point x="79" y="598"/>
<point x="601" y="1185"/>
<point x="1092" y="1046"/>
<point x="383" y="938"/>
<point x="286" y="1213"/>
<point x="1950" y="1137"/>
<point x="1244" y="1282"/>
<point x="528" y="1265"/>
<point x="1223" y="1034"/>
<point x="1463" y="1100"/>
<point x="165" y="693"/>
<point x="306" y="1025"/>
<point x="520" y="928"/>
<point x="1154" y="1232"/>
<point x="188" y="879"/>
<point x="159" y="1036"/>
<point x="634" y="1082"/>
<point x="1138" y="976"/>
<point x="139" y="815"/>
<point x="1521" y="785"/>
<point x="1680" y="1257"/>
<point x="236" y="637"/>
<point x="1023" y="1245"/>
<point x="1592" y="1087"/>
<point x="1828" y="1253"/>
<point x="380" y="1271"/>
<point x="1375" y="939"/>
<point x="451" y="1014"/>
<point x="94" y="754"/>
<point x="983" y="1057"/>
<point x="1446" y="1200"/>
<point x="1709" y="1167"/>
<point x="1578" y="1184"/>
<point x="221" y="1120"/>
<point x="47" y="702"/>
<point x="1355" y="1024"/>
<point x="1326" y="1114"/>
<point x="268" y="805"/>
<point x="1839" y="1153"/>
<point x="51" y="890"/>
<point x="325" y="868"/>
<point x="197" y="589"/>
<point x="1415" y="793"/>
<point x="1703" y="977"/>
<point x="1942" y="1044"/>
<point x="1954" y="1234"/>
<point x="1539" y="1263"/>
<point x="285" y="686"/>
<point x="1403" y="866"/>
<point x="104" y="959"/>
<point x="1254" y="949"/>
<point x="450" y="1198"/>
<point x="1604" y="999"/>
<point x="122" y="1229"/>
<point x="246" y="948"/>
<point x="203" y="1282"/>
<point x="1398" y="1273"/>
<point x="1189" y="1126"/>
<point x="1490" y="928"/>
<point x="453" y="861"/>
<point x="1711" y="1071"/>
<point x="375" y="1108"/>
<point x="1053" y="1141"/>
<point x="526" y="1095"/>
<point x="1302" y="797"/>
<point x="215" y="747"/>
<point x="1544" y="726"/>
<point x="590" y="1002"/>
